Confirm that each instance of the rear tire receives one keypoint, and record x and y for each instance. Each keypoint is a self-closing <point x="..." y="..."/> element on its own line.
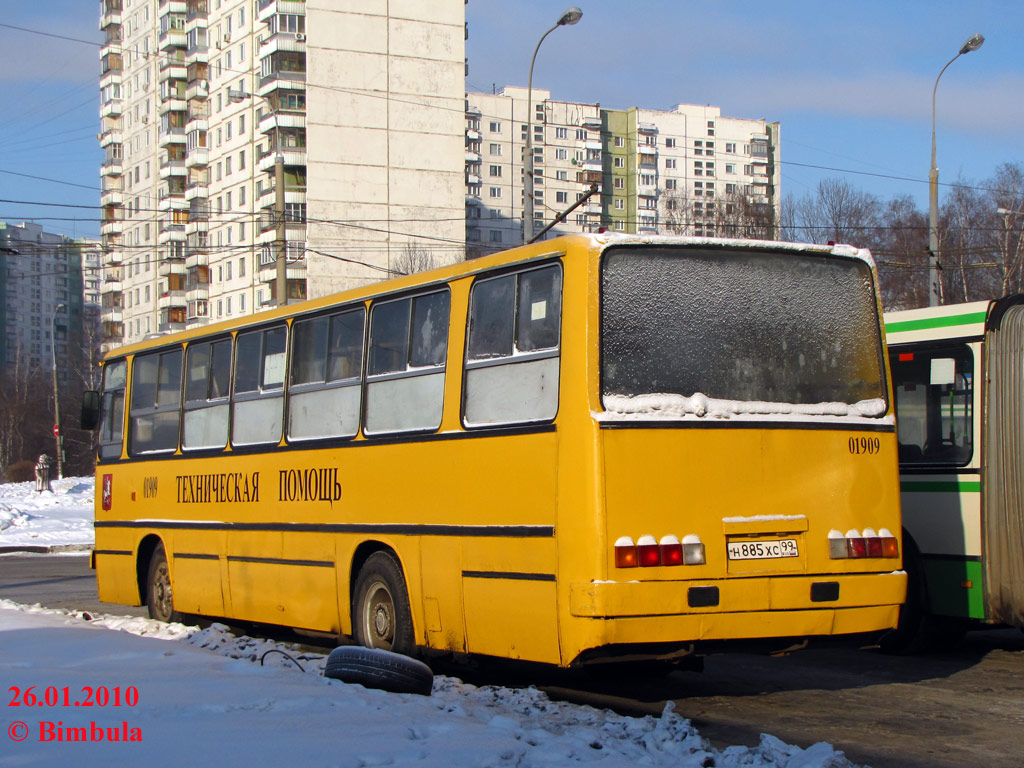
<point x="381" y="617"/>
<point x="159" y="597"/>
<point x="910" y="634"/>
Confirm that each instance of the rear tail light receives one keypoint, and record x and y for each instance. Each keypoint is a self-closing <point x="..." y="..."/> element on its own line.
<point x="625" y="553"/>
<point x="671" y="550"/>
<point x="693" y="550"/>
<point x="648" y="551"/>
<point x="856" y="545"/>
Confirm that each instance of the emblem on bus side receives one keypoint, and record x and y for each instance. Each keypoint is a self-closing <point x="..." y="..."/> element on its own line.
<point x="108" y="491"/>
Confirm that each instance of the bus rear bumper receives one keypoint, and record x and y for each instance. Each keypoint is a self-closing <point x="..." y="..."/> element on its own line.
<point x="665" y="611"/>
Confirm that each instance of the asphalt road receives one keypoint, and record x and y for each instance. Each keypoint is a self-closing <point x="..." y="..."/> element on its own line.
<point x="963" y="706"/>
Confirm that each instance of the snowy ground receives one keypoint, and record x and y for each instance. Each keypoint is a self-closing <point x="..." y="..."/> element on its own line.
<point x="203" y="695"/>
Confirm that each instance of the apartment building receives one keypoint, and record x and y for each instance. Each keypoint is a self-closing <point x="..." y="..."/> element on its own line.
<point x="688" y="170"/>
<point x="41" y="296"/>
<point x="206" y="104"/>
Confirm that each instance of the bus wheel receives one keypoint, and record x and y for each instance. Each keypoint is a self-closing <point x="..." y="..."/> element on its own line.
<point x="380" y="606"/>
<point x="158" y="591"/>
<point x="910" y="635"/>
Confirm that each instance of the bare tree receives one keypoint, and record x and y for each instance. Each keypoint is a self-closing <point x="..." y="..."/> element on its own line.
<point x="902" y="255"/>
<point x="414" y="258"/>
<point x="835" y="212"/>
<point x="1003" y="236"/>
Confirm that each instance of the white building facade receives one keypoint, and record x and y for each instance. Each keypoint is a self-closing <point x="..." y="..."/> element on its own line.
<point x="199" y="100"/>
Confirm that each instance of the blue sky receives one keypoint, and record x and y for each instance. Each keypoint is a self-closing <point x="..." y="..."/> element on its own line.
<point x="851" y="84"/>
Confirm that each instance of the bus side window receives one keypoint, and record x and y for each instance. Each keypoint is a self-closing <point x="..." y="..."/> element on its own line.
<point x="207" y="374"/>
<point x="112" y="409"/>
<point x="934" y="395"/>
<point x="156" y="396"/>
<point x="259" y="386"/>
<point x="408" y="350"/>
<point x="512" y="361"/>
<point x="325" y="392"/>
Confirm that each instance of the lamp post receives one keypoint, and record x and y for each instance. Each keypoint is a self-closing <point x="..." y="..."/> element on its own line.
<point x="934" y="285"/>
<point x="56" y="403"/>
<point x="571" y="16"/>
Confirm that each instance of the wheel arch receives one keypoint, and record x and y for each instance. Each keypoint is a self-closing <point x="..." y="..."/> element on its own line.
<point x="362" y="554"/>
<point x="143" y="557"/>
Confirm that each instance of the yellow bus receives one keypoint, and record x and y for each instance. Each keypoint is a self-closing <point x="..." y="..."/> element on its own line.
<point x="587" y="448"/>
<point x="957" y="379"/>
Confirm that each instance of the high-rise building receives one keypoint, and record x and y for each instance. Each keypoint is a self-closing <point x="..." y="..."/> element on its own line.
<point x="688" y="170"/>
<point x="210" y="108"/>
<point x="40" y="298"/>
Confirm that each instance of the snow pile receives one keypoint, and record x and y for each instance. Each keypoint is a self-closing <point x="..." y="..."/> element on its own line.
<point x="674" y="407"/>
<point x="202" y="695"/>
<point x="61" y="517"/>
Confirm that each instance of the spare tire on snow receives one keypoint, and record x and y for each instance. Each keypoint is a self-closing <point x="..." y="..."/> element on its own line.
<point x="377" y="668"/>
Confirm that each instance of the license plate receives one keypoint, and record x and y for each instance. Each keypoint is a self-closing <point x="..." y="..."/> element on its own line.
<point x="762" y="550"/>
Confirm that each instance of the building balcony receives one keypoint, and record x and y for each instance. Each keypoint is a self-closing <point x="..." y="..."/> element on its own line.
<point x="294" y="270"/>
<point x="282" y="120"/>
<point x="473" y="135"/>
<point x="283" y="41"/>
<point x="295" y="232"/>
<point x="173" y="6"/>
<point x="173" y="67"/>
<point x="592" y="122"/>
<point x="112" y="276"/>
<point x="198" y="257"/>
<point x="110" y="78"/>
<point x="173" y="202"/>
<point x="173" y="168"/>
<point x="593" y="144"/>
<point x="171" y="40"/>
<point x="292" y="156"/>
<point x="172" y="136"/>
<point x="197" y="54"/>
<point x="175" y="103"/>
<point x="111" y="227"/>
<point x="473" y="157"/>
<point x="591" y="166"/>
<point x="171" y="233"/>
<point x="647" y="190"/>
<point x="111" y="197"/>
<point x="268" y="8"/>
<point x="197" y="89"/>
<point x="196" y="9"/>
<point x="171" y="299"/>
<point x="112" y="136"/>
<point x="197" y="158"/>
<point x="197" y="191"/>
<point x="110" y="13"/>
<point x="112" y="315"/>
<point x="199" y="225"/>
<point x="197" y="293"/>
<point x="647" y="128"/>
<point x="294" y="81"/>
<point x="113" y="167"/>
<point x="171" y="265"/>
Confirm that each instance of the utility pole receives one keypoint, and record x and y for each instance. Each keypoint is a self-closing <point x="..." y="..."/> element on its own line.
<point x="281" y="279"/>
<point x="56" y="403"/>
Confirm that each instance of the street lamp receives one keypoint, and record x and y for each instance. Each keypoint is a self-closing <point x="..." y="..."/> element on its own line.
<point x="571" y="16"/>
<point x="56" y="403"/>
<point x="934" y="285"/>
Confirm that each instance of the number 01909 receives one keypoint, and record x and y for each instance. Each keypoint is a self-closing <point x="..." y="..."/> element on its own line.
<point x="865" y="445"/>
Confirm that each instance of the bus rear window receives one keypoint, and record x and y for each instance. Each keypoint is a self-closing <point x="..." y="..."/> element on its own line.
<point x="740" y="325"/>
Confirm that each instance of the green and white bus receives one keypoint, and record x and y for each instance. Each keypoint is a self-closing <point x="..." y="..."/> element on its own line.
<point x="958" y="384"/>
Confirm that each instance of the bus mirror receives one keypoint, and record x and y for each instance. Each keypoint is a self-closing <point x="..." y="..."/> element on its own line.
<point x="90" y="409"/>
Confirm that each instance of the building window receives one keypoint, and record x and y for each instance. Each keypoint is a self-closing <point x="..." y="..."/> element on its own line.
<point x="620" y="204"/>
<point x="561" y="133"/>
<point x="495" y="170"/>
<point x="670" y="162"/>
<point x="670" y="183"/>
<point x="495" y="126"/>
<point x="619" y="162"/>
<point x="730" y="167"/>
<point x="495" y="235"/>
<point x="670" y="143"/>
<point x="620" y="183"/>
<point x="561" y="197"/>
<point x="561" y="154"/>
<point x="730" y="147"/>
<point x="620" y="141"/>
<point x="495" y="191"/>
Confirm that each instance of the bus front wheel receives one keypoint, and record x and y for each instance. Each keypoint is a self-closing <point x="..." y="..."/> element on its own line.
<point x="380" y="606"/>
<point x="159" y="598"/>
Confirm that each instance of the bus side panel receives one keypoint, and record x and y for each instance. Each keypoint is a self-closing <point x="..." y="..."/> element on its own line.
<point x="943" y="514"/>
<point x="196" y="568"/>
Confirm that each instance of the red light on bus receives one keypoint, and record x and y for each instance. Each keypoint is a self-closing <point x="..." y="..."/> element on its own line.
<point x="671" y="550"/>
<point x="872" y="543"/>
<point x="649" y="551"/>
<point x="856" y="544"/>
<point x="625" y="553"/>
<point x="906" y="357"/>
